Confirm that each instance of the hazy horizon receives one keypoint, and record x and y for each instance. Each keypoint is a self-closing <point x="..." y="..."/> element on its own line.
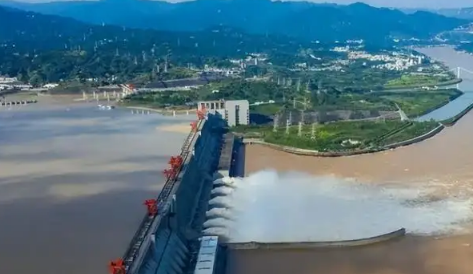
<point x="438" y="4"/>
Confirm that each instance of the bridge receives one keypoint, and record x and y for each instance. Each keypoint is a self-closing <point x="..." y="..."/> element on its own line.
<point x="458" y="72"/>
<point x="168" y="239"/>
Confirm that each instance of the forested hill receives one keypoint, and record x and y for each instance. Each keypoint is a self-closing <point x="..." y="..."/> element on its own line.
<point x="44" y="48"/>
<point x="32" y="31"/>
<point x="462" y="13"/>
<point x="304" y="20"/>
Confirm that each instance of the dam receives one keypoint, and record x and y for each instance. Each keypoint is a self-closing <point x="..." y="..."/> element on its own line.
<point x="173" y="236"/>
<point x="168" y="240"/>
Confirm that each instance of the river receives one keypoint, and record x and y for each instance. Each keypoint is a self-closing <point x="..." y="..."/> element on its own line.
<point x="453" y="59"/>
<point x="72" y="182"/>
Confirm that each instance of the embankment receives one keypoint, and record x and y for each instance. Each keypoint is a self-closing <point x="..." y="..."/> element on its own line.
<point x="313" y="245"/>
<point x="452" y="121"/>
<point x="307" y="152"/>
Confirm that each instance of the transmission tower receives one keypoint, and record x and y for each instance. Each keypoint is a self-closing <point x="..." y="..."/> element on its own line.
<point x="166" y="64"/>
<point x="275" y="123"/>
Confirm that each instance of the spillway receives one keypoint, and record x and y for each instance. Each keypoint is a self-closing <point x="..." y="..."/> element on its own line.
<point x="170" y="238"/>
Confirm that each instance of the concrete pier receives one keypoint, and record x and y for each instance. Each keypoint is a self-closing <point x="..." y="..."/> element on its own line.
<point x="171" y="242"/>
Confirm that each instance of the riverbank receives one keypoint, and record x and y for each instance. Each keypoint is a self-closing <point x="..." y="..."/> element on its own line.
<point x="162" y="111"/>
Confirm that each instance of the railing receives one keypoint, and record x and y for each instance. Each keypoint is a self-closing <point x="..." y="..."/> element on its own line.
<point x="139" y="244"/>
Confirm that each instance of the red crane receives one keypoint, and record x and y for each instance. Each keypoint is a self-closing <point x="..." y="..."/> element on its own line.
<point x="169" y="173"/>
<point x="117" y="267"/>
<point x="152" y="206"/>
<point x="194" y="126"/>
<point x="201" y="114"/>
<point x="175" y="162"/>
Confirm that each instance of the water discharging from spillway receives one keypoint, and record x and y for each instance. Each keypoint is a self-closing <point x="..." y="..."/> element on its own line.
<point x="289" y="207"/>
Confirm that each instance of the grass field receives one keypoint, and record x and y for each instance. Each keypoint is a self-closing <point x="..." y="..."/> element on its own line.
<point x="413" y="103"/>
<point x="421" y="102"/>
<point x="341" y="136"/>
<point x="410" y="80"/>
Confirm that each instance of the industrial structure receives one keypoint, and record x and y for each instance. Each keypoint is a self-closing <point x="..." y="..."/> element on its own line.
<point x="235" y="112"/>
<point x="169" y="238"/>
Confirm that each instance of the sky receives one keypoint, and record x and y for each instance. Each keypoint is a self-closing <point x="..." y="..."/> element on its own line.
<point x="432" y="4"/>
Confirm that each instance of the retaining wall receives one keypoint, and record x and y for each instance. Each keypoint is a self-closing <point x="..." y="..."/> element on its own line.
<point x="315" y="153"/>
<point x="454" y="120"/>
<point x="332" y="244"/>
<point x="416" y="139"/>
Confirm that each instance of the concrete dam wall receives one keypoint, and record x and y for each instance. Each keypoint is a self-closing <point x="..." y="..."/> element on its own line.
<point x="169" y="241"/>
<point x="313" y="245"/>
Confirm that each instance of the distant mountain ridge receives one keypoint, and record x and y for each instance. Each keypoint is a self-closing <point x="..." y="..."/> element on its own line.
<point x="324" y="22"/>
<point x="461" y="13"/>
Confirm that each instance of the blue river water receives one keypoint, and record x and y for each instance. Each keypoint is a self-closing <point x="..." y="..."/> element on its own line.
<point x="453" y="59"/>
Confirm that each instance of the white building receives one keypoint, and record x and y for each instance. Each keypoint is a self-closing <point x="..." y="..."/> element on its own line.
<point x="6" y="80"/>
<point x="236" y="112"/>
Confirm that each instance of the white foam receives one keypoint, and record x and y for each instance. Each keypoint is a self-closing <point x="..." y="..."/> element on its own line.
<point x="272" y="207"/>
<point x="219" y="212"/>
<point x="223" y="190"/>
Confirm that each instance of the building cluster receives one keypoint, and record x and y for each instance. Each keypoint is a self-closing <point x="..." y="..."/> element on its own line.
<point x="389" y="61"/>
<point x="12" y="83"/>
<point x="235" y="112"/>
<point x="253" y="59"/>
<point x="227" y="72"/>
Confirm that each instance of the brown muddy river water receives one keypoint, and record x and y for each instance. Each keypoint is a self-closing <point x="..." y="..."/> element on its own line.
<point x="72" y="184"/>
<point x="426" y="188"/>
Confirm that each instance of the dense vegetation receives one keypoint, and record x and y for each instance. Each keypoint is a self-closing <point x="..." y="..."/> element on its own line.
<point x="227" y="89"/>
<point x="340" y="136"/>
<point x="304" y="20"/>
<point x="45" y="48"/>
<point x="323" y="106"/>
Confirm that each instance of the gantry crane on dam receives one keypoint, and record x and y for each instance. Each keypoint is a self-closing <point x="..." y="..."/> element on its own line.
<point x="157" y="208"/>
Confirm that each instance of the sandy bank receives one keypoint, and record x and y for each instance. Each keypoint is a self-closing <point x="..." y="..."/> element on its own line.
<point x="176" y="128"/>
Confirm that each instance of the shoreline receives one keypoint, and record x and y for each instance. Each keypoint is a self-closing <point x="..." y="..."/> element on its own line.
<point x="161" y="111"/>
